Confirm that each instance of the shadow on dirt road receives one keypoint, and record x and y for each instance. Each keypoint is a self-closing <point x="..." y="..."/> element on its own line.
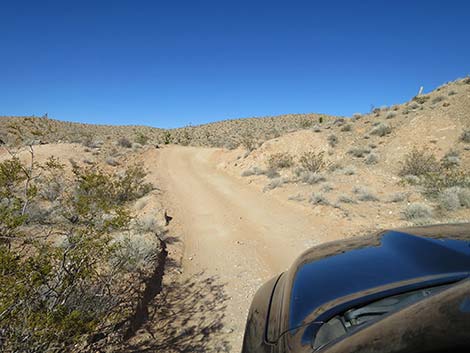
<point x="186" y="317"/>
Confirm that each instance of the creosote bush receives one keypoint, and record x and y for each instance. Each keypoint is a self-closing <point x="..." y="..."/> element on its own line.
<point x="313" y="161"/>
<point x="280" y="160"/>
<point x="419" y="162"/>
<point x="61" y="278"/>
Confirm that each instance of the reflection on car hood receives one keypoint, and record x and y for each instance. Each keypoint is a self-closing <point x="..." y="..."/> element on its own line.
<point x="387" y="258"/>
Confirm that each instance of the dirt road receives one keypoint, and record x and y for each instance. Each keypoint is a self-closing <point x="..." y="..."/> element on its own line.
<point x="231" y="231"/>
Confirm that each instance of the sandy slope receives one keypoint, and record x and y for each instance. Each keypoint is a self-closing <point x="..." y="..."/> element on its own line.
<point x="230" y="229"/>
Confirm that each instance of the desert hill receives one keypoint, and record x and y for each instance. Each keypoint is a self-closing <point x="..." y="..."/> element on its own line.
<point x="228" y="210"/>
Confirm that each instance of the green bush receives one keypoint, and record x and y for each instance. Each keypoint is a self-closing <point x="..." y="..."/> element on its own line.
<point x="435" y="182"/>
<point x="419" y="162"/>
<point x="60" y="281"/>
<point x="313" y="162"/>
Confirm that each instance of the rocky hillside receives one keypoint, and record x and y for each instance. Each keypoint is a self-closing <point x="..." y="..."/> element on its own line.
<point x="405" y="163"/>
<point x="248" y="132"/>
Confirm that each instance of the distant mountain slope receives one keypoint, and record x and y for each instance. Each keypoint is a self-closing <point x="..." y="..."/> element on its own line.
<point x="448" y="104"/>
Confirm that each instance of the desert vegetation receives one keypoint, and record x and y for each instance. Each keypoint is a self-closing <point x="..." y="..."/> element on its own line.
<point x="73" y="257"/>
<point x="79" y="246"/>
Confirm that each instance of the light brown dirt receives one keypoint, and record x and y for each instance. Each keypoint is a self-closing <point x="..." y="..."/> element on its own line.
<point x="230" y="229"/>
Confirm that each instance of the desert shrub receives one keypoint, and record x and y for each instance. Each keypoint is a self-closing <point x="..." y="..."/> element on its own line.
<point x="318" y="199"/>
<point x="435" y="182"/>
<point x="312" y="177"/>
<point x="450" y="160"/>
<point x="452" y="93"/>
<point x="124" y="142"/>
<point x="466" y="80"/>
<point x="381" y="130"/>
<point x="357" y="116"/>
<point x="231" y="144"/>
<point x="306" y="123"/>
<point x="280" y="160"/>
<point x="327" y="187"/>
<point x="253" y="171"/>
<point x="359" y="152"/>
<point x="437" y="99"/>
<point x="135" y="251"/>
<point x="421" y="99"/>
<point x="316" y="128"/>
<point x="136" y="146"/>
<point x="313" y="162"/>
<point x="56" y="292"/>
<point x="390" y="115"/>
<point x="167" y="137"/>
<point x="418" y="162"/>
<point x="332" y="140"/>
<point x="339" y="122"/>
<point x="248" y="141"/>
<point x="348" y="170"/>
<point x="345" y="199"/>
<point x="375" y="111"/>
<point x="418" y="213"/>
<point x="275" y="183"/>
<point x="271" y="173"/>
<point x="449" y="199"/>
<point x="411" y="179"/>
<point x="148" y="224"/>
<point x="372" y="158"/>
<point x="364" y="194"/>
<point x="346" y="128"/>
<point x="397" y="197"/>
<point x="465" y="137"/>
<point x="141" y="139"/>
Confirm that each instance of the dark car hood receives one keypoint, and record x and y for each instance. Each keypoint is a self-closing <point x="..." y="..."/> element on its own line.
<point x="327" y="277"/>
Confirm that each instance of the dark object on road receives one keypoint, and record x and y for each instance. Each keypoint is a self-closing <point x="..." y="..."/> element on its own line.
<point x="403" y="290"/>
<point x="167" y="218"/>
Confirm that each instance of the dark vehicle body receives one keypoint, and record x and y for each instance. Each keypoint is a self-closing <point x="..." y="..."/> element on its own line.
<point x="403" y="290"/>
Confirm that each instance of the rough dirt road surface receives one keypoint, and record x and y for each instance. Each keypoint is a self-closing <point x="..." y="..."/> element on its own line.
<point x="232" y="233"/>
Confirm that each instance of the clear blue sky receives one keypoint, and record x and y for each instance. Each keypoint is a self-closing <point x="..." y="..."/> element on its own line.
<point x="169" y="63"/>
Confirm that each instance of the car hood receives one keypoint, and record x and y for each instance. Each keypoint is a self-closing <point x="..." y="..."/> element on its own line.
<point x="331" y="277"/>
